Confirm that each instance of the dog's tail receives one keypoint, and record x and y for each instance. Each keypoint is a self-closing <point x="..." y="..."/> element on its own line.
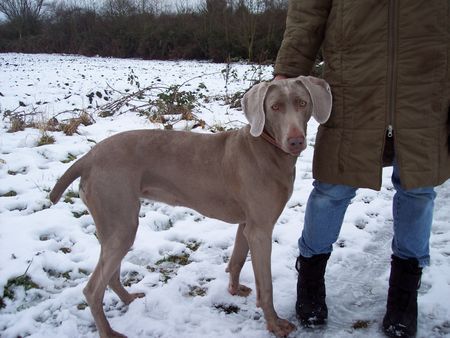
<point x="66" y="179"/>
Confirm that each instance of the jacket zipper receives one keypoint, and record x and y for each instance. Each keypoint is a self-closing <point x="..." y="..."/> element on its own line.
<point x="390" y="130"/>
<point x="393" y="37"/>
<point x="391" y="90"/>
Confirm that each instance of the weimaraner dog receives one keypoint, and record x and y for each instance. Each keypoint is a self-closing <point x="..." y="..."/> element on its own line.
<point x="244" y="176"/>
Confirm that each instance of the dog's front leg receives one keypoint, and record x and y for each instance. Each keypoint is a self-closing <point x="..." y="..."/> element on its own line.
<point x="236" y="263"/>
<point x="260" y="241"/>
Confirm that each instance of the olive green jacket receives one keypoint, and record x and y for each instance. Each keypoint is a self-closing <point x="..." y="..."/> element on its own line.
<point x="387" y="62"/>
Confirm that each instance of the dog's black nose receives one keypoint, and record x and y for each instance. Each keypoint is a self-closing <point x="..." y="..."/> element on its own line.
<point x="296" y="145"/>
<point x="295" y="142"/>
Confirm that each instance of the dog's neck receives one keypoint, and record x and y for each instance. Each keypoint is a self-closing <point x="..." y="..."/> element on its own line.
<point x="269" y="138"/>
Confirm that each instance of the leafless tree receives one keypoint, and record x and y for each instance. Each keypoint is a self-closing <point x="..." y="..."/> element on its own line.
<point x="14" y="9"/>
<point x="120" y="7"/>
<point x="149" y="6"/>
<point x="23" y="14"/>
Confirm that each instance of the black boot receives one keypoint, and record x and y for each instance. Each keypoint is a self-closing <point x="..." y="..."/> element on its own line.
<point x="400" y="319"/>
<point x="311" y="307"/>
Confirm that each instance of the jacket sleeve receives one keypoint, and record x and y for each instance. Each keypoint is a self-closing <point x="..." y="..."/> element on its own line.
<point x="305" y="29"/>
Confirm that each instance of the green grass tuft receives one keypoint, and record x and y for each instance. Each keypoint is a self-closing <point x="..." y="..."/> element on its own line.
<point x="25" y="281"/>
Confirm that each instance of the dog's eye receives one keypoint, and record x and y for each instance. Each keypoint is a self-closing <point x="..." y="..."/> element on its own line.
<point x="275" y="107"/>
<point x="301" y="103"/>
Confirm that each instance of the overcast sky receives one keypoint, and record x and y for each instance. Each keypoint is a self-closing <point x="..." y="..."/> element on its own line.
<point x="160" y="3"/>
<point x="164" y="4"/>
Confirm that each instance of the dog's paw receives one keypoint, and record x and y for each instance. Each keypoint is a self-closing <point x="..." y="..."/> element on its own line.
<point x="281" y="327"/>
<point x="113" y="334"/>
<point x="132" y="296"/>
<point x="240" y="290"/>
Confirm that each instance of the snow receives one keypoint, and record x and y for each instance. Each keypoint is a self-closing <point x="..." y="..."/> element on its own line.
<point x="55" y="245"/>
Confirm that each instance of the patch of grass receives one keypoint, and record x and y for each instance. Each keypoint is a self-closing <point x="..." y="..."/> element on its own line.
<point x="58" y="274"/>
<point x="197" y="291"/>
<point x="133" y="277"/>
<point x="25" y="281"/>
<point x="165" y="273"/>
<point x="70" y="158"/>
<point x="182" y="259"/>
<point x="70" y="195"/>
<point x="80" y="214"/>
<point x="219" y="128"/>
<point x="16" y="124"/>
<point x="44" y="237"/>
<point x="20" y="171"/>
<point x="65" y="250"/>
<point x="21" y="120"/>
<point x="227" y="308"/>
<point x="71" y="127"/>
<point x="193" y="246"/>
<point x="176" y="101"/>
<point x="361" y="324"/>
<point x="105" y="113"/>
<point x="45" y="139"/>
<point x="68" y="200"/>
<point x="10" y="193"/>
<point x="157" y="118"/>
<point x="199" y="124"/>
<point x="82" y="306"/>
<point x="168" y="265"/>
<point x="83" y="271"/>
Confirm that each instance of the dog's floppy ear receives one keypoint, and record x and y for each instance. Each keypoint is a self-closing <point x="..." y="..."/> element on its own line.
<point x="253" y="107"/>
<point x="320" y="93"/>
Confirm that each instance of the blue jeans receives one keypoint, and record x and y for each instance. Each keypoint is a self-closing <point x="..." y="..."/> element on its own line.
<point x="412" y="211"/>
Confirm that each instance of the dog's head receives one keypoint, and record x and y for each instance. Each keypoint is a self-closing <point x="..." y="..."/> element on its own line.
<point x="283" y="108"/>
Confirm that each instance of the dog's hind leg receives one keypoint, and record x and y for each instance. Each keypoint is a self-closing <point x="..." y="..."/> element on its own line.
<point x="94" y="291"/>
<point x="116" y="230"/>
<point x="236" y="263"/>
<point x="117" y="287"/>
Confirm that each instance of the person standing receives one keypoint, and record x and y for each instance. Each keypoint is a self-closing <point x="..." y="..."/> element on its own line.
<point x="388" y="65"/>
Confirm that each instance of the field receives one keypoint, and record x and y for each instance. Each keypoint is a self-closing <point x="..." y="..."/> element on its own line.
<point x="54" y="108"/>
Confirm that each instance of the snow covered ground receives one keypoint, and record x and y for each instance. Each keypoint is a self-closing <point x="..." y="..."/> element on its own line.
<point x="179" y="257"/>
